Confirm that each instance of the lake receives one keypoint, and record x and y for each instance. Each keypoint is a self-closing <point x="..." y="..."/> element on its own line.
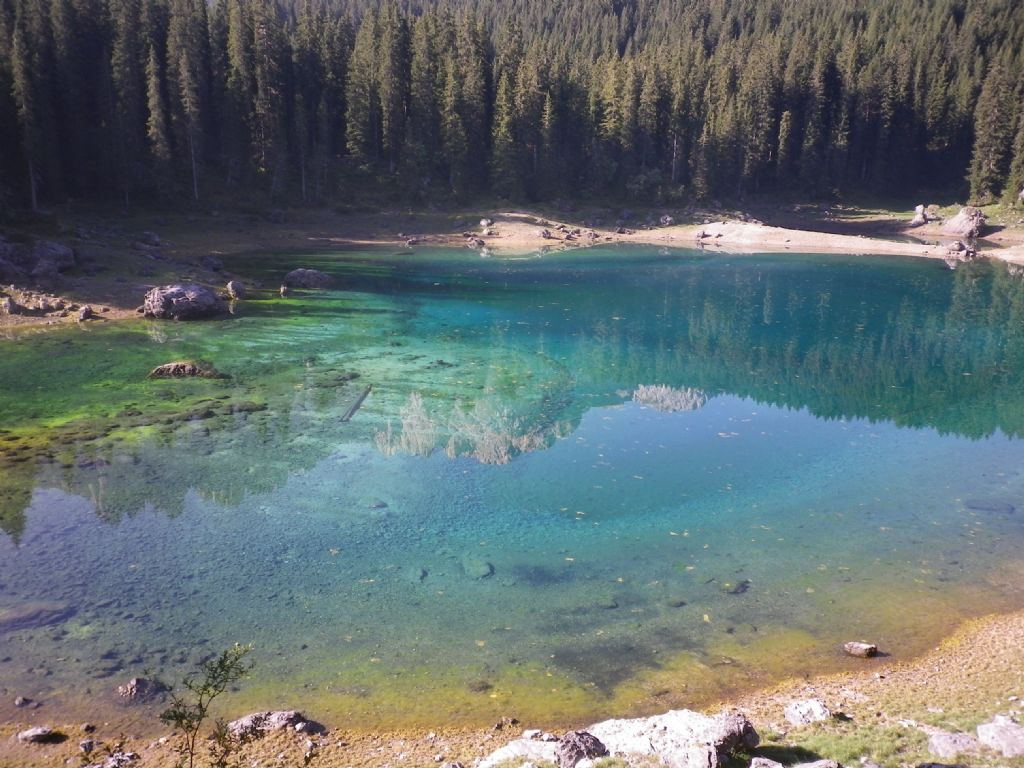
<point x="559" y="487"/>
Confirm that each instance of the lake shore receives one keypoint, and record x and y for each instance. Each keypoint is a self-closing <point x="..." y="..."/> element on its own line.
<point x="884" y="713"/>
<point x="122" y="257"/>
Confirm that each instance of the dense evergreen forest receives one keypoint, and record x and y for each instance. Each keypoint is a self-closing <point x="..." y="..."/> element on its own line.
<point x="649" y="100"/>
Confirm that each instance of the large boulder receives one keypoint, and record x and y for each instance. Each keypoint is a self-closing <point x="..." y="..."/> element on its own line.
<point x="307" y="278"/>
<point x="259" y="723"/>
<point x="1004" y="735"/>
<point x="522" y="751"/>
<point x="920" y="217"/>
<point x="807" y="711"/>
<point x="182" y="301"/>
<point x="576" y="746"/>
<point x="680" y="738"/>
<point x="967" y="223"/>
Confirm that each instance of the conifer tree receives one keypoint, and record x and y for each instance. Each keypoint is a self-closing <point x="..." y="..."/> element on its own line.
<point x="393" y="82"/>
<point x="362" y="95"/>
<point x="993" y="135"/>
<point x="157" y="130"/>
<point x="505" y="166"/>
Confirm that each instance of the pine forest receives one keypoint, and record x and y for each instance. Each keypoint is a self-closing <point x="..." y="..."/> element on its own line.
<point x="646" y="100"/>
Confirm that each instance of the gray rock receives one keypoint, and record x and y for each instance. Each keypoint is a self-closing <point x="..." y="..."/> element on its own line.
<point x="21" y="701"/>
<point x="680" y="738"/>
<point x="523" y="750"/>
<point x="260" y="723"/>
<point x="949" y="745"/>
<point x="967" y="223"/>
<point x="764" y="762"/>
<point x="860" y="649"/>
<point x="1004" y="735"/>
<point x="9" y="306"/>
<point x="39" y="735"/>
<point x="182" y="301"/>
<point x="807" y="711"/>
<point x="920" y="217"/>
<point x="85" y="313"/>
<point x="475" y="242"/>
<point x="235" y="289"/>
<point x="306" y="278"/>
<point x="476" y="567"/>
<point x="820" y="764"/>
<point x="87" y="745"/>
<point x="183" y="369"/>
<point x="140" y="690"/>
<point x="578" y="745"/>
<point x="486" y="222"/>
<point x="666" y="221"/>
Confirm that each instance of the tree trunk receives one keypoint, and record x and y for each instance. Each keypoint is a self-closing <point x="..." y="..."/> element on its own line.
<point x="32" y="186"/>
<point x="192" y="153"/>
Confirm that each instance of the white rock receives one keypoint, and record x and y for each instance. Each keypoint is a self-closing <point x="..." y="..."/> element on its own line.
<point x="949" y="745"/>
<point x="1004" y="735"/>
<point x="807" y="711"/>
<point x="524" y="750"/>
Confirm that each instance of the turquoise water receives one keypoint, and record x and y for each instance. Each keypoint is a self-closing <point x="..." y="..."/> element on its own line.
<point x="575" y="484"/>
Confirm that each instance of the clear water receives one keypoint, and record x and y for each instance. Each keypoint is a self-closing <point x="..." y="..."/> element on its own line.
<point x="510" y="523"/>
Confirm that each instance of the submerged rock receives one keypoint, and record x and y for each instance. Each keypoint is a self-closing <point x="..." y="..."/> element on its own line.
<point x="34" y="614"/>
<point x="990" y="505"/>
<point x="182" y="301"/>
<point x="139" y="690"/>
<point x="476" y="567"/>
<point x="306" y="278"/>
<point x="182" y="369"/>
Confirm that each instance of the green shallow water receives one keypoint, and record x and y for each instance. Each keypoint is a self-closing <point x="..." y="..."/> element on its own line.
<point x="514" y="522"/>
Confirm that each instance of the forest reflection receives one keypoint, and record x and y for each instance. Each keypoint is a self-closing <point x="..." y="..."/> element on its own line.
<point x="917" y="347"/>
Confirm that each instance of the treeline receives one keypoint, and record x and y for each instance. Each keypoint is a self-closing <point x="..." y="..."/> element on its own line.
<point x="653" y="100"/>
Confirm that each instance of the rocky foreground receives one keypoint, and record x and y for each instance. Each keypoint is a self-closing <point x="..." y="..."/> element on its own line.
<point x="959" y="705"/>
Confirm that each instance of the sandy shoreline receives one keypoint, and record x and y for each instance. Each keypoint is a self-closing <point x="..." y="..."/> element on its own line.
<point x="887" y="709"/>
<point x="129" y="268"/>
<point x="516" y="232"/>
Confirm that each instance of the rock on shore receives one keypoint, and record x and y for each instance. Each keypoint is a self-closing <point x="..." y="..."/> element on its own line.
<point x="680" y="738"/>
<point x="182" y="301"/>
